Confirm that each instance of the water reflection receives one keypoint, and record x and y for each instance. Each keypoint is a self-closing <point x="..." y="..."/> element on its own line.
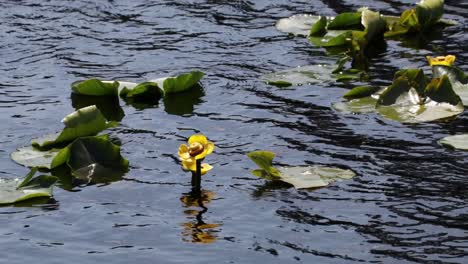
<point x="183" y="103"/>
<point x="196" y="230"/>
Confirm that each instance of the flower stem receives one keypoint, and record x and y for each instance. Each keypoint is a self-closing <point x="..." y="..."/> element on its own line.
<point x="196" y="180"/>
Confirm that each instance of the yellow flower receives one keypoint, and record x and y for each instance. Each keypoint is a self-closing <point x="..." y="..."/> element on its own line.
<point x="441" y="60"/>
<point x="197" y="149"/>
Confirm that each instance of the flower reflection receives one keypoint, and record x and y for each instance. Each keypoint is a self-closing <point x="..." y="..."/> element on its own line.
<point x="197" y="230"/>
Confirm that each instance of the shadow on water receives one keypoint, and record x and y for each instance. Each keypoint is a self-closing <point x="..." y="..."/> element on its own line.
<point x="183" y="103"/>
<point x="108" y="105"/>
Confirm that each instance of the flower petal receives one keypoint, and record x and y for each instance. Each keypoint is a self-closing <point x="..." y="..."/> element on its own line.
<point x="205" y="167"/>
<point x="184" y="152"/>
<point x="189" y="164"/>
<point x="198" y="138"/>
<point x="209" y="147"/>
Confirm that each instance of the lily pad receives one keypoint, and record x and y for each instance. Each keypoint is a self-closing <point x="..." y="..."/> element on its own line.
<point x="95" y="159"/>
<point x="345" y="20"/>
<point x="356" y="106"/>
<point x="264" y="160"/>
<point x="299" y="176"/>
<point x="423" y="17"/>
<point x="313" y="176"/>
<point x="33" y="157"/>
<point x="83" y="122"/>
<point x="143" y="91"/>
<point x="312" y="74"/>
<point x="360" y="92"/>
<point x="456" y="142"/>
<point x="14" y="191"/>
<point x="457" y="78"/>
<point x="402" y="102"/>
<point x="95" y="87"/>
<point x="298" y="25"/>
<point x="179" y="83"/>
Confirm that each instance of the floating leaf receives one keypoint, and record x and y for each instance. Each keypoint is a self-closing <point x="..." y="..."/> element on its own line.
<point x="264" y="159"/>
<point x="312" y="74"/>
<point x="457" y="78"/>
<point x="142" y="92"/>
<point x="332" y="38"/>
<point x="345" y="21"/>
<point x="14" y="191"/>
<point x="279" y="83"/>
<point x="456" y="142"/>
<point x="355" y="106"/>
<point x="319" y="27"/>
<point x="95" y="87"/>
<point x="96" y="159"/>
<point x="313" y="176"/>
<point x="424" y="16"/>
<point x="33" y="157"/>
<point x="180" y="83"/>
<point x="429" y="12"/>
<point x="360" y="92"/>
<point x="83" y="122"/>
<point x="298" y="25"/>
<point x="440" y="90"/>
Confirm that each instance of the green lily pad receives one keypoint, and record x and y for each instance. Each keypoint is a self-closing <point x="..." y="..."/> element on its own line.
<point x="33" y="157"/>
<point x="142" y="92"/>
<point x="456" y="142"/>
<point x="83" y="122"/>
<point x="457" y="78"/>
<point x="313" y="176"/>
<point x="95" y="87"/>
<point x="179" y="83"/>
<point x="356" y="106"/>
<point x="422" y="18"/>
<point x="345" y="21"/>
<point x="264" y="160"/>
<point x="15" y="191"/>
<point x="312" y="74"/>
<point x="95" y="159"/>
<point x="360" y="92"/>
<point x="320" y="27"/>
<point x="402" y="102"/>
<point x="299" y="176"/>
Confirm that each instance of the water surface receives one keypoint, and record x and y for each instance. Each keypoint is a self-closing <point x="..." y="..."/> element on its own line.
<point x="408" y="203"/>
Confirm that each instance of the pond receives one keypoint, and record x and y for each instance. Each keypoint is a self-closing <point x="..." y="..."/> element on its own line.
<point x="408" y="202"/>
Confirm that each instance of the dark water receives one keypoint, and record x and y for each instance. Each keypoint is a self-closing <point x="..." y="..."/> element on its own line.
<point x="407" y="204"/>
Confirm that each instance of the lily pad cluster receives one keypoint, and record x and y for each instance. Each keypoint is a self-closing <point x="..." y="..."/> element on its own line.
<point x="413" y="97"/>
<point x="350" y="34"/>
<point x="301" y="177"/>
<point x="138" y="94"/>
<point x="87" y="158"/>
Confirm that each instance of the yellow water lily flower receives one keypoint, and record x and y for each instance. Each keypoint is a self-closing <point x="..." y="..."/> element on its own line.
<point x="199" y="147"/>
<point x="441" y="60"/>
